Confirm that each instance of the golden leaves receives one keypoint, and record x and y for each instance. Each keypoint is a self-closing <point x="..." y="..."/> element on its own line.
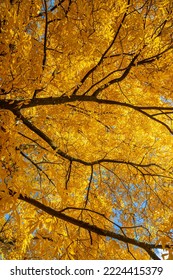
<point x="106" y="161"/>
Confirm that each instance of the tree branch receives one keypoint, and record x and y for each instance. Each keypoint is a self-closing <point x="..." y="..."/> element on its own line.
<point x="45" y="35"/>
<point x="89" y="186"/>
<point x="14" y="106"/>
<point x="37" y="167"/>
<point x="104" y="54"/>
<point x="48" y="140"/>
<point x="116" y="80"/>
<point x="91" y="228"/>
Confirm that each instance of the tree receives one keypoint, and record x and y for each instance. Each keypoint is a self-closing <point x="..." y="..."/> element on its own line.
<point x="86" y="129"/>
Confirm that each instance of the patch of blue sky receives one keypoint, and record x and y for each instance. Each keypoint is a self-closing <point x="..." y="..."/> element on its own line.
<point x="117" y="218"/>
<point x="7" y="216"/>
<point x="166" y="100"/>
<point x="51" y="4"/>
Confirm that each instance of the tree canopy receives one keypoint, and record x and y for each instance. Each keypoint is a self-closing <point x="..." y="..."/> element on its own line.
<point x="86" y="147"/>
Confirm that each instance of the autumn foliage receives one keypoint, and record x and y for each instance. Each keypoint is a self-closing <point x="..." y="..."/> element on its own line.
<point x="86" y="127"/>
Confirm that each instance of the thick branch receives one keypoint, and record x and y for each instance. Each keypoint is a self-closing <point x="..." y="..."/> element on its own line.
<point x="12" y="105"/>
<point x="73" y="159"/>
<point x="92" y="228"/>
